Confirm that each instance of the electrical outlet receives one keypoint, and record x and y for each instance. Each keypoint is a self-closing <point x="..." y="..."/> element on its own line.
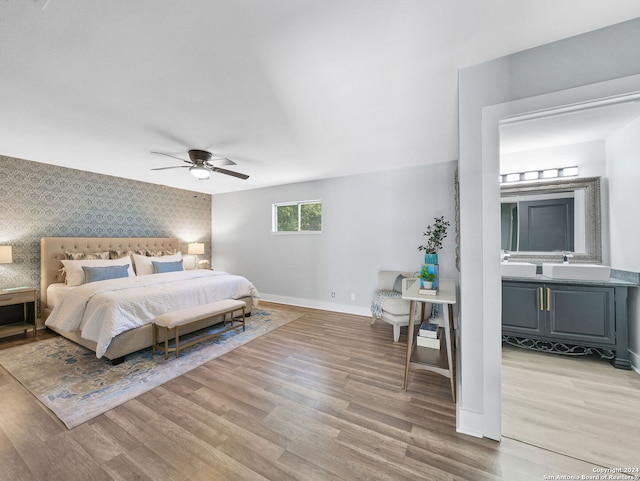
<point x="353" y="296"/>
<point x="333" y="295"/>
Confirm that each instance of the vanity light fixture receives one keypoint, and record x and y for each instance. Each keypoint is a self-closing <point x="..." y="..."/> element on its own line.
<point x="6" y="255"/>
<point x="538" y="174"/>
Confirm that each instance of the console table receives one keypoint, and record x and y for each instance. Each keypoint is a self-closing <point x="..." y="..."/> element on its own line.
<point x="441" y="361"/>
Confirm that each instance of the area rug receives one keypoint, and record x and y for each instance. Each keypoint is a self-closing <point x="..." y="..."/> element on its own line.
<point x="71" y="382"/>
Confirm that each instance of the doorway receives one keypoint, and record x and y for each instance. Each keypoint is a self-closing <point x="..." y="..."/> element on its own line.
<point x="481" y="113"/>
<point x="552" y="401"/>
<point x="596" y="65"/>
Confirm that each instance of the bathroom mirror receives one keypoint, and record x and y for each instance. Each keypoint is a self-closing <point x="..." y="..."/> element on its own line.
<point x="540" y="220"/>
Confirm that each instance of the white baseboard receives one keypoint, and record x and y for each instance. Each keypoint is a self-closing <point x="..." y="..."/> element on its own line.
<point x="315" y="304"/>
<point x="469" y="422"/>
<point x="635" y="361"/>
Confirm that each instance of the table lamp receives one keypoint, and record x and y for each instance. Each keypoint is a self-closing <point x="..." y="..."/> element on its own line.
<point x="195" y="249"/>
<point x="6" y="255"/>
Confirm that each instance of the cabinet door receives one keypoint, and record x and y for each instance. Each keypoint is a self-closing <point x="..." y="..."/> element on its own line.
<point x="581" y="314"/>
<point x="521" y="313"/>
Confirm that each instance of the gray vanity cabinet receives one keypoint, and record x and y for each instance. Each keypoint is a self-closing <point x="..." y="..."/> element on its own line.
<point x="521" y="315"/>
<point x="581" y="314"/>
<point x="567" y="317"/>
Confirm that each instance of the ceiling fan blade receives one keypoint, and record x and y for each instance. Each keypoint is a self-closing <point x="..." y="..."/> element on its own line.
<point x="221" y="161"/>
<point x="172" y="156"/>
<point x="229" y="172"/>
<point x="174" y="167"/>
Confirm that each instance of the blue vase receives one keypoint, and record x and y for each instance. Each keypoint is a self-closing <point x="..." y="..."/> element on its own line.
<point x="431" y="258"/>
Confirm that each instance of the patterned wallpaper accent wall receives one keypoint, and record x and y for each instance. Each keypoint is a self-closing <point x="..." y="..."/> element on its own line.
<point x="42" y="200"/>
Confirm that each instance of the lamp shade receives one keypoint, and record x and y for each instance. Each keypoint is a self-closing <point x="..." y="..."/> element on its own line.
<point x="195" y="248"/>
<point x="199" y="172"/>
<point x="6" y="255"/>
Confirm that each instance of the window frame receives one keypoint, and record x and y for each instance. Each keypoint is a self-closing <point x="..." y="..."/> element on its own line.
<point x="299" y="204"/>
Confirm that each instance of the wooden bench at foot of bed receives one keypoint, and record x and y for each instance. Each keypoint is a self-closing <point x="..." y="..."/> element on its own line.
<point x="186" y="317"/>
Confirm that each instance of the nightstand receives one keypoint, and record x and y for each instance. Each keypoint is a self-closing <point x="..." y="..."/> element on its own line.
<point x="13" y="297"/>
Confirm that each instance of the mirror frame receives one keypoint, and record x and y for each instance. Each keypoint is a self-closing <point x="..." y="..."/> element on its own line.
<point x="592" y="212"/>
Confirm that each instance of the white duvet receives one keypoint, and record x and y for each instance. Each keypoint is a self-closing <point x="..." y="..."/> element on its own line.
<point x="102" y="310"/>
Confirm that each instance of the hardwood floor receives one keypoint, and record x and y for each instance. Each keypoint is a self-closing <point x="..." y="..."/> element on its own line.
<point x="318" y="399"/>
<point x="578" y="406"/>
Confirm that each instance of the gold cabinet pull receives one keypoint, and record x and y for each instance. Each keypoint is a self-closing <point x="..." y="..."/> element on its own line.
<point x="541" y="295"/>
<point x="548" y="299"/>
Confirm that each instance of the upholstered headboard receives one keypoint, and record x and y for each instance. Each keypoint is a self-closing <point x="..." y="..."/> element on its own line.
<point x="52" y="251"/>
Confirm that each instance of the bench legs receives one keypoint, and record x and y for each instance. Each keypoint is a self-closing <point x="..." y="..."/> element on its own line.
<point x="155" y="345"/>
<point x="178" y="346"/>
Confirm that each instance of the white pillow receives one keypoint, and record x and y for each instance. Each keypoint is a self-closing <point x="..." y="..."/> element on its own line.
<point x="74" y="274"/>
<point x="144" y="266"/>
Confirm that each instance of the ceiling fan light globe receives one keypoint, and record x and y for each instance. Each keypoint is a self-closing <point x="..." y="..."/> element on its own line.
<point x="199" y="172"/>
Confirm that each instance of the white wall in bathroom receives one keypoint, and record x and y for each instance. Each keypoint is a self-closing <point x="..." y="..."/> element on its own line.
<point x="623" y="172"/>
<point x="588" y="156"/>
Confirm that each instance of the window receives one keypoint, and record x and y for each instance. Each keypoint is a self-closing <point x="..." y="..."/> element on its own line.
<point x="305" y="216"/>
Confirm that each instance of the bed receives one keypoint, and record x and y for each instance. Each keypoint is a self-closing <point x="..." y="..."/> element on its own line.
<point x="113" y="317"/>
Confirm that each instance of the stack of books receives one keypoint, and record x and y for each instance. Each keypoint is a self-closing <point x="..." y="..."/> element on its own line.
<point x="429" y="335"/>
<point x="427" y="292"/>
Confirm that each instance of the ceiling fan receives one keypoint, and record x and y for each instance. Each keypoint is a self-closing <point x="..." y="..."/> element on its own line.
<point x="202" y="163"/>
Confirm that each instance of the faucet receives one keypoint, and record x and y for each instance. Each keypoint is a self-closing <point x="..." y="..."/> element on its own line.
<point x="565" y="256"/>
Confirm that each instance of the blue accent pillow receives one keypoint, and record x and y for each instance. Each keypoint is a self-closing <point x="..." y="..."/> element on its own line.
<point x="94" y="274"/>
<point x="159" y="267"/>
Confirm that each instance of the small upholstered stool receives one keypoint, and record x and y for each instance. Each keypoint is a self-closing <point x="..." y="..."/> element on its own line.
<point x="191" y="315"/>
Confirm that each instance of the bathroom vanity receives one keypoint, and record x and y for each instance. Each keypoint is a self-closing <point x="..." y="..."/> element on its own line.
<point x="571" y="317"/>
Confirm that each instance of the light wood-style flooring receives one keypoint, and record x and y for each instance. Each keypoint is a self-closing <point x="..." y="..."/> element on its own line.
<point x="582" y="407"/>
<point x="318" y="399"/>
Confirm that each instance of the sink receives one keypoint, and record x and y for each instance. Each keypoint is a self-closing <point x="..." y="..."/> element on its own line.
<point x="517" y="269"/>
<point x="584" y="272"/>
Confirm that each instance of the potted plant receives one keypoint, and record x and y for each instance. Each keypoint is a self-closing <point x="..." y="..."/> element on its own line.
<point x="435" y="234"/>
<point x="426" y="277"/>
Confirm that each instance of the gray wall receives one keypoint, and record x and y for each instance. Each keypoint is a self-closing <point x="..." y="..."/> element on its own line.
<point x="598" y="56"/>
<point x="41" y="200"/>
<point x="371" y="222"/>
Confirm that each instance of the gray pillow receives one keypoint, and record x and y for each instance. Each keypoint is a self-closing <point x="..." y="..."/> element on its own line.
<point x="94" y="274"/>
<point x="397" y="285"/>
<point x="159" y="267"/>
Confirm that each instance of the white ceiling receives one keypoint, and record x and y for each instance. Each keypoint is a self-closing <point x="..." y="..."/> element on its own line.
<point x="291" y="90"/>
